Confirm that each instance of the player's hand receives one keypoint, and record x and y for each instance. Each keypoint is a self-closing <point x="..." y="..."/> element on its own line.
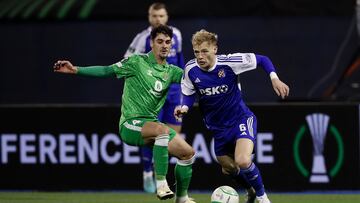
<point x="179" y="112"/>
<point x="64" y="67"/>
<point x="280" y="88"/>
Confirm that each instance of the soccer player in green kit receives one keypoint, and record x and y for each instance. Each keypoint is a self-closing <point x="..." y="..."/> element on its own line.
<point x="147" y="80"/>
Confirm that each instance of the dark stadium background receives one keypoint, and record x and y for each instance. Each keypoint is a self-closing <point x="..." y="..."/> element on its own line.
<point x="305" y="40"/>
<point x="313" y="44"/>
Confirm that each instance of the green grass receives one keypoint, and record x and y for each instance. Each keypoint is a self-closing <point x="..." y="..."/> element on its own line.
<point x="119" y="197"/>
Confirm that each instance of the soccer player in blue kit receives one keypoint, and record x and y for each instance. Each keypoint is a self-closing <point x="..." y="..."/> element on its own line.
<point x="141" y="44"/>
<point x="214" y="78"/>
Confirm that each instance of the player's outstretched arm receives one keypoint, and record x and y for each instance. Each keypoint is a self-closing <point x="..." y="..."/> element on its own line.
<point x="63" y="66"/>
<point x="280" y="88"/>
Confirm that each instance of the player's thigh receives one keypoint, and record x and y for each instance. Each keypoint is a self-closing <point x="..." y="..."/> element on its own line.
<point x="152" y="129"/>
<point x="179" y="148"/>
<point x="130" y="132"/>
<point x="227" y="163"/>
<point x="243" y="151"/>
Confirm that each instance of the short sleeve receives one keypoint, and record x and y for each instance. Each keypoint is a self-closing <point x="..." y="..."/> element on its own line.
<point x="177" y="74"/>
<point x="187" y="86"/>
<point x="239" y="62"/>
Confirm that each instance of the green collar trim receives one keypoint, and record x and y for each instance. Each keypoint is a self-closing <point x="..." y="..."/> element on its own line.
<point x="153" y="60"/>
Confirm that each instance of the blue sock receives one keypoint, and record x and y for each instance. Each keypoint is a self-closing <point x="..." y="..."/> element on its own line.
<point x="146" y="157"/>
<point x="240" y="179"/>
<point x="253" y="176"/>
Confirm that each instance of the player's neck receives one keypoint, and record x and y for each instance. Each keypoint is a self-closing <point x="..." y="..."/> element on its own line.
<point x="160" y="60"/>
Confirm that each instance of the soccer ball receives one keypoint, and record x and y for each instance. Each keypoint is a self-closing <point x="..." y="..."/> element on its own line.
<point x="224" y="194"/>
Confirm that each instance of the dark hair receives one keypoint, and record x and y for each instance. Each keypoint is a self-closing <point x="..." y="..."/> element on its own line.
<point x="161" y="29"/>
<point x="158" y="6"/>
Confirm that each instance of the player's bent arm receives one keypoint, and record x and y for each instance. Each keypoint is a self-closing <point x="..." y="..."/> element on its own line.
<point x="186" y="102"/>
<point x="96" y="71"/>
<point x="280" y="88"/>
<point x="267" y="65"/>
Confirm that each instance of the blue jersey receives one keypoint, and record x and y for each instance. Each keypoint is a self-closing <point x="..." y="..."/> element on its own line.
<point x="141" y="44"/>
<point x="220" y="98"/>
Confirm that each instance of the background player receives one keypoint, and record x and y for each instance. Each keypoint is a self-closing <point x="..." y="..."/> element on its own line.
<point x="158" y="15"/>
<point x="147" y="80"/>
<point x="215" y="79"/>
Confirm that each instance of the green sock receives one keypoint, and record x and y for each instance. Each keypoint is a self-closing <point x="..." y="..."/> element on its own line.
<point x="183" y="175"/>
<point x="161" y="156"/>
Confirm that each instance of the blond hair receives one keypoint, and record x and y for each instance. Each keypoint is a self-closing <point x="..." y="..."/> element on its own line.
<point x="204" y="36"/>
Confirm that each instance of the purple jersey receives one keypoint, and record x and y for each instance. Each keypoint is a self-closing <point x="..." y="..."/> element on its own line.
<point x="220" y="98"/>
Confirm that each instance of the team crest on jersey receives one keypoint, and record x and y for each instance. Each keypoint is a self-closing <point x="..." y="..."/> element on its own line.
<point x="221" y="73"/>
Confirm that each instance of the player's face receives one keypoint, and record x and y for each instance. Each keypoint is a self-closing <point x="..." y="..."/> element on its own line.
<point x="157" y="17"/>
<point x="161" y="46"/>
<point x="205" y="54"/>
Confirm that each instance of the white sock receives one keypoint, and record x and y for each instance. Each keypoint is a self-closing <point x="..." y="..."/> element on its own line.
<point x="182" y="199"/>
<point x="264" y="196"/>
<point x="161" y="183"/>
<point x="147" y="174"/>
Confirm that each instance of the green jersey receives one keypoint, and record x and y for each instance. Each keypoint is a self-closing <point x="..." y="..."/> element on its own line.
<point x="146" y="85"/>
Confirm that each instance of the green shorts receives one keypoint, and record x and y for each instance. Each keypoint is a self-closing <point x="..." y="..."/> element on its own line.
<point x="130" y="131"/>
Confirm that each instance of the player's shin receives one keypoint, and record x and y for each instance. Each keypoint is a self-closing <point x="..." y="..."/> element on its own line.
<point x="240" y="179"/>
<point x="253" y="175"/>
<point x="146" y="158"/>
<point x="161" y="156"/>
<point x="183" y="174"/>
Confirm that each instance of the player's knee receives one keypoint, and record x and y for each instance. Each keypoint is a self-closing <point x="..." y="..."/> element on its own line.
<point x="243" y="161"/>
<point x="188" y="153"/>
<point x="161" y="130"/>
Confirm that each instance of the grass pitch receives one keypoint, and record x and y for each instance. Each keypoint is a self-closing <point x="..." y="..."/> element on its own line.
<point x="132" y="197"/>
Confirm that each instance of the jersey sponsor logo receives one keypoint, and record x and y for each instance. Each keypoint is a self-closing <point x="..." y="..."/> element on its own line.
<point x="214" y="90"/>
<point x="221" y="73"/>
<point x="156" y="94"/>
<point x="158" y="88"/>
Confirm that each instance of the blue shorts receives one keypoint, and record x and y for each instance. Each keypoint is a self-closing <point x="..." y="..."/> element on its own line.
<point x="166" y="114"/>
<point x="225" y="140"/>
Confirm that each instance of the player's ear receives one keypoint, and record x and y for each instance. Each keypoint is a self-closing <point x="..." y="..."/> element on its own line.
<point x="151" y="43"/>
<point x="215" y="49"/>
<point x="166" y="18"/>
